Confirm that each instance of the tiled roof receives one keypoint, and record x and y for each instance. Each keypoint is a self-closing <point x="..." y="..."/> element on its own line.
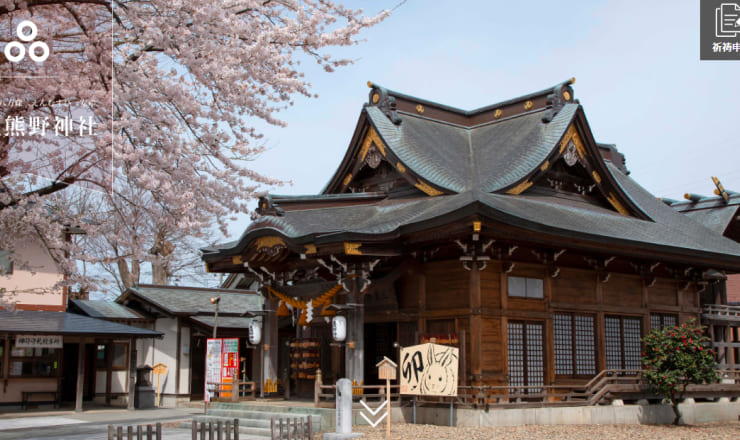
<point x="475" y="165"/>
<point x="105" y="309"/>
<point x="487" y="157"/>
<point x="224" y="321"/>
<point x="193" y="301"/>
<point x="63" y="323"/>
<point x="670" y="230"/>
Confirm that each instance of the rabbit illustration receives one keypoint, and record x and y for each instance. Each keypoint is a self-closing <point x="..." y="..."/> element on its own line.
<point x="439" y="376"/>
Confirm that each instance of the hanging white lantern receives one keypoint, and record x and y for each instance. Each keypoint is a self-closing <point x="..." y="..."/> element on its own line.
<point x="255" y="332"/>
<point x="339" y="328"/>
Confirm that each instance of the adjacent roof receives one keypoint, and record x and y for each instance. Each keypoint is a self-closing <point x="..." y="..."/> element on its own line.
<point x="187" y="301"/>
<point x="63" y="323"/>
<point x="104" y="309"/>
<point x="715" y="213"/>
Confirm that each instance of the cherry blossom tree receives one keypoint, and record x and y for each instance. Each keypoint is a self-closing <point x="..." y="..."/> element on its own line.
<point x="155" y="99"/>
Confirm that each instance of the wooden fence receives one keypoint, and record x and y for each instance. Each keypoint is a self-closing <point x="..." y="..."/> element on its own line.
<point x="299" y="429"/>
<point x="212" y="430"/>
<point x="140" y="433"/>
<point x="603" y="388"/>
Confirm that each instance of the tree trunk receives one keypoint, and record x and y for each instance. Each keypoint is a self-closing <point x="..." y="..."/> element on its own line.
<point x="128" y="277"/>
<point x="676" y="412"/>
<point x="159" y="273"/>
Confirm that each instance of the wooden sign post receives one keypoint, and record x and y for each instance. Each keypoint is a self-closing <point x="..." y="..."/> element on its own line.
<point x="159" y="370"/>
<point x="387" y="370"/>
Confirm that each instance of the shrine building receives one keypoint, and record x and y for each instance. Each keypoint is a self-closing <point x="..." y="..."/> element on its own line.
<point x="507" y="231"/>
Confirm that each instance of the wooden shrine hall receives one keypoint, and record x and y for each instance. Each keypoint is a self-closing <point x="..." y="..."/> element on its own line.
<point x="508" y="231"/>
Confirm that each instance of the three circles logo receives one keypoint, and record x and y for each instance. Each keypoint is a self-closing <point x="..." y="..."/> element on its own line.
<point x="38" y="51"/>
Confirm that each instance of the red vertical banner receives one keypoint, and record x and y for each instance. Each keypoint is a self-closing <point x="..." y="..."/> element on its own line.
<point x="229" y="363"/>
<point x="222" y="365"/>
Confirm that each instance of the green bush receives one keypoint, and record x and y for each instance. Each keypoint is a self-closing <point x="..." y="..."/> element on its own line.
<point x="675" y="357"/>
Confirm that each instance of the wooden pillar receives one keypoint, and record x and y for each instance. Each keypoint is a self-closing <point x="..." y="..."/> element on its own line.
<point x="730" y="356"/>
<point x="354" y="355"/>
<point x="600" y="334"/>
<point x="131" y="373"/>
<point x="80" y="374"/>
<point x="108" y="370"/>
<point x="270" y="343"/>
<point x="178" y="358"/>
<point x="476" y="324"/>
<point x="422" y="298"/>
<point x="548" y="337"/>
<point x="504" y="295"/>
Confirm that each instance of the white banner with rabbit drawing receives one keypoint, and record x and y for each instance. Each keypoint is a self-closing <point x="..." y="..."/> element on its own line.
<point x="429" y="370"/>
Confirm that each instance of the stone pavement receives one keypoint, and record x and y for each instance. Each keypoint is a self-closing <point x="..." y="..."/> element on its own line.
<point x="91" y="424"/>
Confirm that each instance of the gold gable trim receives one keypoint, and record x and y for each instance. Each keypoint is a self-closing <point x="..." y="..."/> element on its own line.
<point x="371" y="138"/>
<point x="268" y="242"/>
<point x="520" y="188"/>
<point x="617" y="204"/>
<point x="347" y="179"/>
<point x="310" y="249"/>
<point x="237" y="259"/>
<point x="428" y="189"/>
<point x="596" y="176"/>
<point x="352" y="248"/>
<point x="572" y="135"/>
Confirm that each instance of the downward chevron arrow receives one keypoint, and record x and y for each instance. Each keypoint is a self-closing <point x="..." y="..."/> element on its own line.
<point x="377" y="410"/>
<point x="376" y="422"/>
<point x="373" y="412"/>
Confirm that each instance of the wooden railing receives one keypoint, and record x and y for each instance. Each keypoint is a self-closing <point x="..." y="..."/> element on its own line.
<point x="603" y="388"/>
<point x="324" y="395"/>
<point x="721" y="310"/>
<point x="234" y="391"/>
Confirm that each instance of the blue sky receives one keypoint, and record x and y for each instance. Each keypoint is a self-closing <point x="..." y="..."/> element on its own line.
<point x="636" y="64"/>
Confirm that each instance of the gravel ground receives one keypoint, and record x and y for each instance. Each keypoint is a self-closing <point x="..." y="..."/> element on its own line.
<point x="729" y="431"/>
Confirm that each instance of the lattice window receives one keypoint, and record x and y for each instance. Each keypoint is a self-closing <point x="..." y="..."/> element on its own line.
<point x="632" y="352"/>
<point x="563" y="338"/>
<point x="658" y="320"/>
<point x="574" y="344"/>
<point x="585" y="345"/>
<point x="516" y="353"/>
<point x="623" y="342"/>
<point x="613" y="335"/>
<point x="535" y="359"/>
<point x="526" y="355"/>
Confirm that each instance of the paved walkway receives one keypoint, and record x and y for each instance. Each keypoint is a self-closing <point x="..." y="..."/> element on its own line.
<point x="92" y="423"/>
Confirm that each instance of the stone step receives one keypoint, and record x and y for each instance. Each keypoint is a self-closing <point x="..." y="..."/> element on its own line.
<point x="246" y="431"/>
<point x="257" y="424"/>
<point x="257" y="417"/>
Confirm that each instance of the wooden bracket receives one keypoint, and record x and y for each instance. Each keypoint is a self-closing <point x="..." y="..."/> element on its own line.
<point x="508" y="266"/>
<point x="554" y="271"/>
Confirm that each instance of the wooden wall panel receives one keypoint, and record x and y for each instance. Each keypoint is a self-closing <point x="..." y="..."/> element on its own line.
<point x="447" y="285"/>
<point x="574" y="287"/>
<point x="409" y="290"/>
<point x="490" y="285"/>
<point x="492" y="353"/>
<point x="623" y="290"/>
<point x="526" y="304"/>
<point x="689" y="297"/>
<point x="663" y="293"/>
<point x="528" y="271"/>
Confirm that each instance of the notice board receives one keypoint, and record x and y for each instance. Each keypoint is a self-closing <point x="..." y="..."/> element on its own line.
<point x="429" y="370"/>
<point x="222" y="364"/>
